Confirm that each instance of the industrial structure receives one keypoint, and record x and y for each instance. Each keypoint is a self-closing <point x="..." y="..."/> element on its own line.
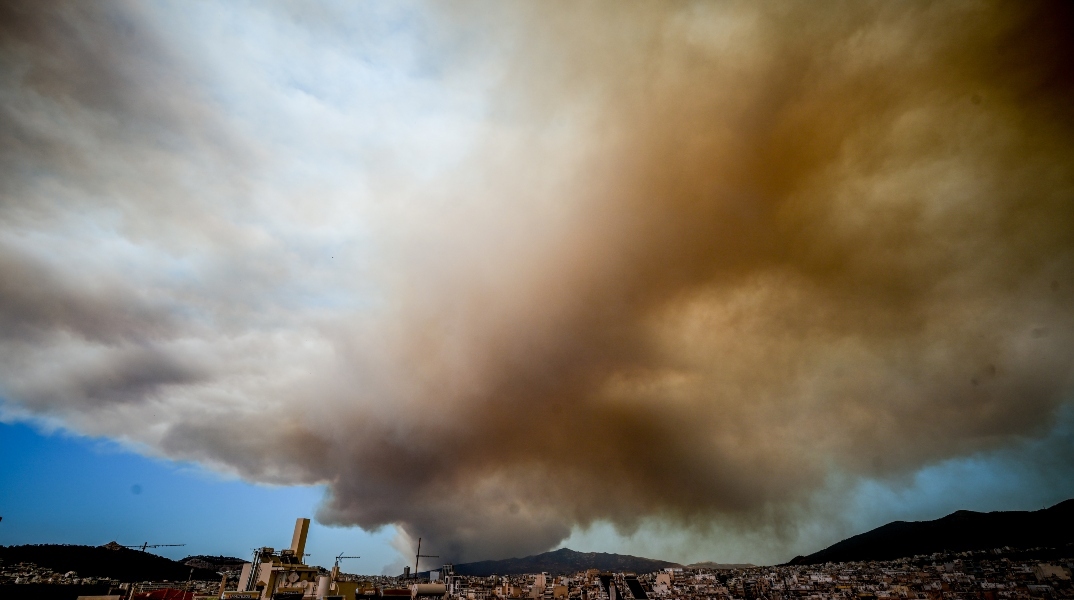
<point x="284" y="575"/>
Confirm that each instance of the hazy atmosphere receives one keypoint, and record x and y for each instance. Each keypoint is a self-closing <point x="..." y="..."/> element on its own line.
<point x="690" y="280"/>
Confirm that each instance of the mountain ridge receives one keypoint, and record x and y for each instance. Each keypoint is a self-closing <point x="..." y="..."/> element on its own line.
<point x="113" y="562"/>
<point x="960" y="531"/>
<point x="563" y="561"/>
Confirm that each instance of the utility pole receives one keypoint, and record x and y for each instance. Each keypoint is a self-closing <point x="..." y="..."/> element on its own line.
<point x="419" y="555"/>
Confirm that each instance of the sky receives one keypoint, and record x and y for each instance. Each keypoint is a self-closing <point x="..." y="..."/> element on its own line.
<point x="696" y="281"/>
<point x="59" y="488"/>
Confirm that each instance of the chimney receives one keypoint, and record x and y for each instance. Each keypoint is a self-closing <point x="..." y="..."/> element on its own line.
<point x="298" y="541"/>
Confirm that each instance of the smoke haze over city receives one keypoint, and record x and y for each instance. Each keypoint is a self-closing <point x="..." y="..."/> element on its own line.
<point x="500" y="274"/>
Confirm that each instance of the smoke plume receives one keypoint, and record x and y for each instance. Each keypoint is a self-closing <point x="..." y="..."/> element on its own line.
<point x="598" y="262"/>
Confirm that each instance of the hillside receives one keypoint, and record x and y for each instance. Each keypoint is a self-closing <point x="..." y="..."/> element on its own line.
<point x="563" y="561"/>
<point x="957" y="532"/>
<point x="98" y="561"/>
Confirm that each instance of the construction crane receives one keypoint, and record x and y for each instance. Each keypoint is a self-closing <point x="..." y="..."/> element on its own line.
<point x="341" y="557"/>
<point x="142" y="547"/>
<point x="420" y="555"/>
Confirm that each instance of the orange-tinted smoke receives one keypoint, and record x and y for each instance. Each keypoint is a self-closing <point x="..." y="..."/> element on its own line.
<point x="704" y="260"/>
<point x="800" y="240"/>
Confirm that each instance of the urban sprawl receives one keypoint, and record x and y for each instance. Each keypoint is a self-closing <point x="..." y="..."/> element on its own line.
<point x="280" y="575"/>
<point x="936" y="577"/>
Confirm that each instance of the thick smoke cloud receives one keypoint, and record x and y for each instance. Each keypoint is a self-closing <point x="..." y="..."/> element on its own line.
<point x="690" y="262"/>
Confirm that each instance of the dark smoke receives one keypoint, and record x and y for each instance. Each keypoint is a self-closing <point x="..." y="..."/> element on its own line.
<point x="703" y="258"/>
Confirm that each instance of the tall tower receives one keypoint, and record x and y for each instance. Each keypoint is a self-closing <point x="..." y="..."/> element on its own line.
<point x="298" y="541"/>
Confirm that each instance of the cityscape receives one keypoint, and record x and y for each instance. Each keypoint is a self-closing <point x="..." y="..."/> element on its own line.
<point x="998" y="573"/>
<point x="988" y="577"/>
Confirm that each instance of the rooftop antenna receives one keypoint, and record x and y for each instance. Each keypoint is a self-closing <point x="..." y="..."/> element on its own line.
<point x="142" y="547"/>
<point x="420" y="555"/>
<point x="341" y="557"/>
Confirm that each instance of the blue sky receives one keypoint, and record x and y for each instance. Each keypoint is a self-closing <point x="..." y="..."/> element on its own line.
<point x="59" y="488"/>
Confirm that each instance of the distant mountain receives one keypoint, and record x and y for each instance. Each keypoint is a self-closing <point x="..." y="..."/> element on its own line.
<point x="114" y="562"/>
<point x="563" y="562"/>
<point x="957" y="532"/>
